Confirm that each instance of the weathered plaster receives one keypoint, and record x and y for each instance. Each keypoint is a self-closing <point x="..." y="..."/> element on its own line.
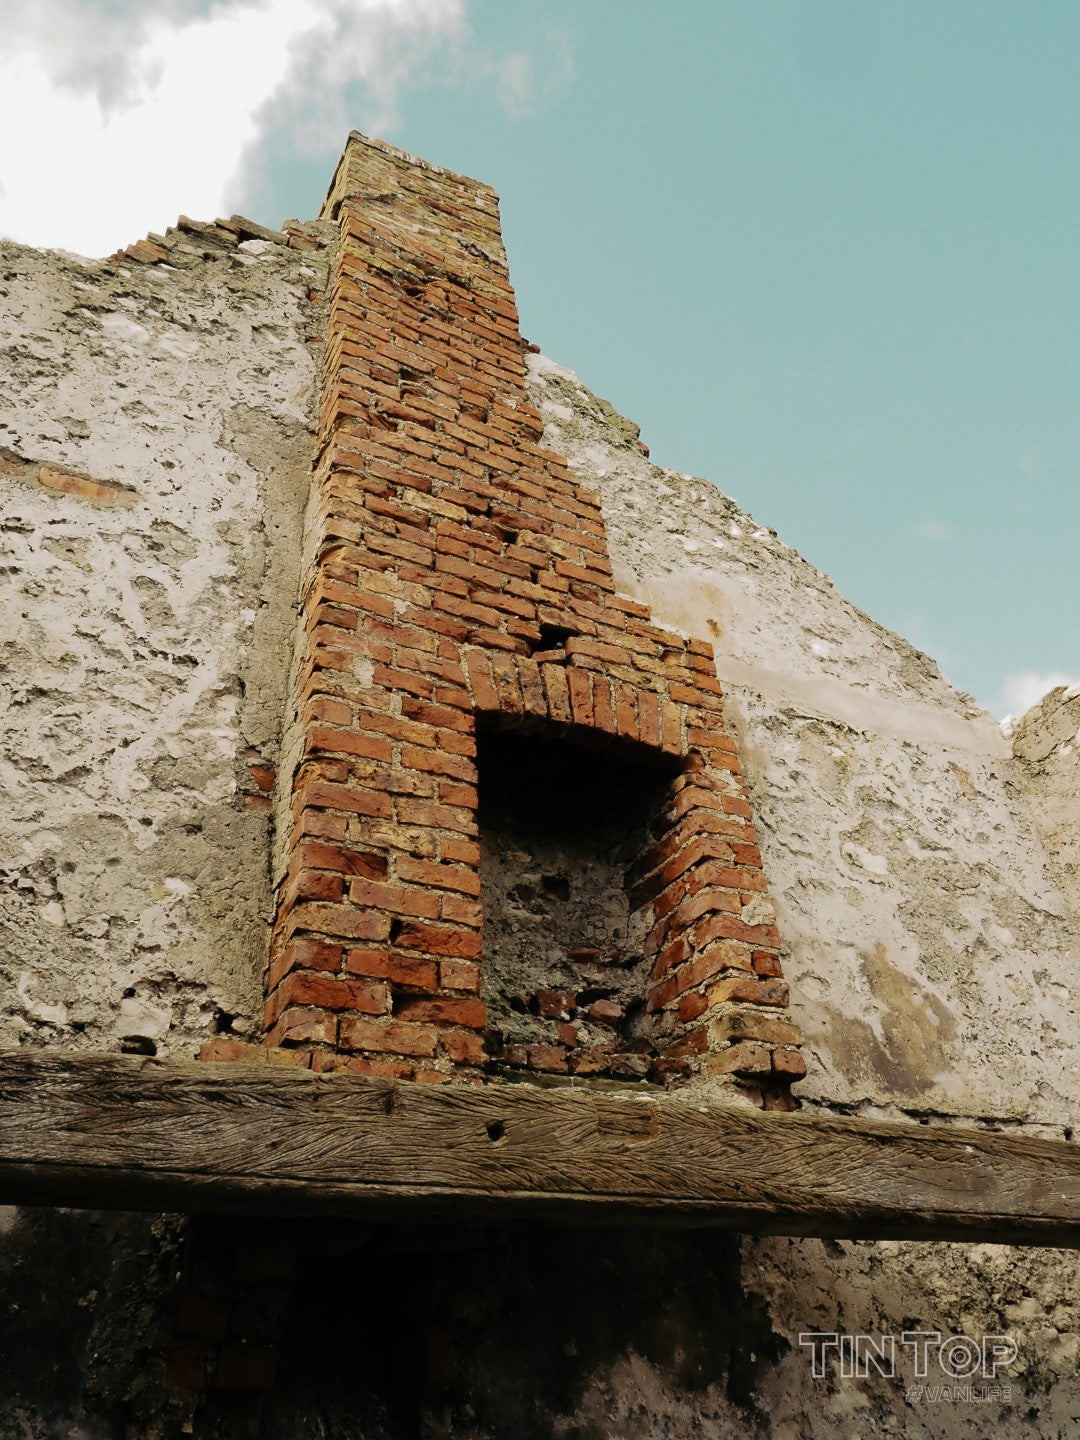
<point x="1046" y="744"/>
<point x="146" y="645"/>
<point x="932" y="960"/>
<point x="923" y="879"/>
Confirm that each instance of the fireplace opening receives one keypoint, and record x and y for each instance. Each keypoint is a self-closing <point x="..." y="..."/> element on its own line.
<point x="564" y="974"/>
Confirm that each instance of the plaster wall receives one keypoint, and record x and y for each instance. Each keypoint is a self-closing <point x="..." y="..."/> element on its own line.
<point x="932" y="957"/>
<point x="924" y="873"/>
<point x="1046" y="745"/>
<point x="146" y="630"/>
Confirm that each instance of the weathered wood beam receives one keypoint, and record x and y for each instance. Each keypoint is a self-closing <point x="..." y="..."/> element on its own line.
<point x="126" y="1132"/>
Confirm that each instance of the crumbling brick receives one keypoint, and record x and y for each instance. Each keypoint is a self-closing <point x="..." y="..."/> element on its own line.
<point x="462" y="574"/>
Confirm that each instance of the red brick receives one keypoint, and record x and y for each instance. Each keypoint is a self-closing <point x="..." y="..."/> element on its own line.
<point x="648" y="703"/>
<point x="548" y="1057"/>
<point x="766" y="964"/>
<point x="557" y="691"/>
<point x="329" y="992"/>
<point x="440" y="717"/>
<point x="459" y="767"/>
<point x="749" y="991"/>
<point x="337" y="857"/>
<point x="340" y="920"/>
<point x="364" y="1065"/>
<point x="461" y="879"/>
<point x="441" y="817"/>
<point x="303" y="1026"/>
<point x="347" y="742"/>
<point x="534" y="701"/>
<point x="227" y="1049"/>
<point x="407" y="970"/>
<point x="320" y="823"/>
<point x="705" y="902"/>
<point x="463" y="852"/>
<point x="746" y="852"/>
<point x="555" y="1004"/>
<point x="626" y="723"/>
<point x="438" y="940"/>
<point x="343" y="797"/>
<point x="593" y="1060"/>
<point x="691" y="1006"/>
<point x="580" y="696"/>
<point x="397" y="899"/>
<point x="463" y="1047"/>
<point x="459" y="975"/>
<point x="743" y="1058"/>
<point x="729" y="928"/>
<point x="752" y="1024"/>
<point x="603" y="706"/>
<point x="711" y="872"/>
<point x="788" y="1063"/>
<point x="390" y="1037"/>
<point x="695" y="1042"/>
<point x="304" y="952"/>
<point x="461" y="909"/>
<point x="671" y="727"/>
<point x="312" y="885"/>
<point x="661" y="995"/>
<point x="722" y="955"/>
<point x="441" y="1010"/>
<point x="449" y="536"/>
<point x="778" y="1099"/>
<point x="674" y="953"/>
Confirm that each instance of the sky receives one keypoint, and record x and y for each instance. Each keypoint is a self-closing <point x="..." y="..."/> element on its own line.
<point x="825" y="252"/>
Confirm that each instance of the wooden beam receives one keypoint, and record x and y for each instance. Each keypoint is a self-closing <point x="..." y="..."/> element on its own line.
<point x="126" y="1132"/>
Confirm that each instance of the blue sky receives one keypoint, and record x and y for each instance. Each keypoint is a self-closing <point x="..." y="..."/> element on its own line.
<point x="825" y="252"/>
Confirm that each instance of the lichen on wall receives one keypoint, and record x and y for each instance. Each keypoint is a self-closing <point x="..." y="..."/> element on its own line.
<point x="155" y="448"/>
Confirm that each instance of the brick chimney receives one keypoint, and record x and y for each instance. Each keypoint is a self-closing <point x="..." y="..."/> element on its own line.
<point x="470" y="675"/>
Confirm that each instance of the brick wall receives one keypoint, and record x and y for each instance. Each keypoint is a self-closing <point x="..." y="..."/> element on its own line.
<point x="461" y="580"/>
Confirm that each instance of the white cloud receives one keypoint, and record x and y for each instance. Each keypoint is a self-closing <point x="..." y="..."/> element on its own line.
<point x="931" y="529"/>
<point x="1025" y="688"/>
<point x="112" y="122"/>
<point x="524" y="78"/>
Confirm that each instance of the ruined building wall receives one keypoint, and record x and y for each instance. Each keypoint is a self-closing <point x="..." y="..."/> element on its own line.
<point x="154" y="456"/>
<point x="1046" y="744"/>
<point x="924" y="875"/>
<point x="160" y="422"/>
<point x="931" y="954"/>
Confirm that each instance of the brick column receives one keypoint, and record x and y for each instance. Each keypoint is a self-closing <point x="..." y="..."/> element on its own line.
<point x="459" y="571"/>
